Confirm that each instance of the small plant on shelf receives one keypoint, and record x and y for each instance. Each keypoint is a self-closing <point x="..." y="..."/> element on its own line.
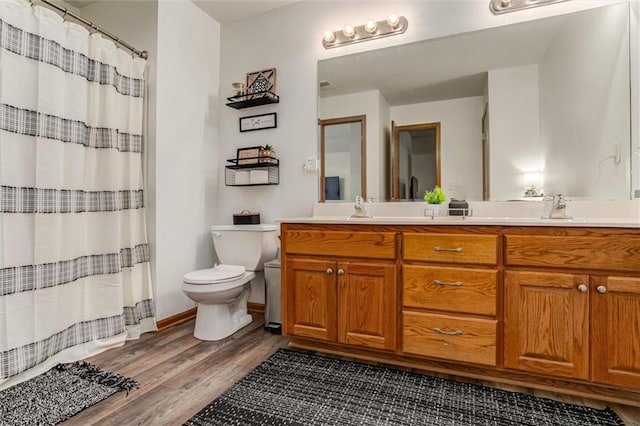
<point x="266" y="151"/>
<point x="435" y="196"/>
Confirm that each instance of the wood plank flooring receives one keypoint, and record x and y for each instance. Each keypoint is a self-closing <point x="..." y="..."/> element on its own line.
<point x="179" y="375"/>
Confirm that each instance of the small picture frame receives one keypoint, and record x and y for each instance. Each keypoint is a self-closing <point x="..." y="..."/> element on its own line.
<point x="248" y="155"/>
<point x="259" y="122"/>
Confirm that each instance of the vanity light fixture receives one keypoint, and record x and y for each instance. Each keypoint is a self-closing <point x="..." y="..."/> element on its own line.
<point x="392" y="25"/>
<point x="504" y="6"/>
<point x="349" y="31"/>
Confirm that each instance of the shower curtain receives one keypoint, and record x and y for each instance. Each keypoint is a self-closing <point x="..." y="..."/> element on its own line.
<point x="74" y="258"/>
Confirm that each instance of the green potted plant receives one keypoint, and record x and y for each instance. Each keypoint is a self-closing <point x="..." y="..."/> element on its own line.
<point x="266" y="150"/>
<point x="435" y="197"/>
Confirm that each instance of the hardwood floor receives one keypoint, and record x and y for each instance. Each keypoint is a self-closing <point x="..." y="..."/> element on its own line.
<point x="179" y="375"/>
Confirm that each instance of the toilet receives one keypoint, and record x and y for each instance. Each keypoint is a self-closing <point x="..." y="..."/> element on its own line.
<point x="222" y="292"/>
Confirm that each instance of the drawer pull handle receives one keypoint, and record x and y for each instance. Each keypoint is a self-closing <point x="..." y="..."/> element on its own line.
<point x="456" y="249"/>
<point x="450" y="333"/>
<point x="583" y="288"/>
<point x="329" y="271"/>
<point x="340" y="271"/>
<point x="601" y="289"/>
<point x="455" y="284"/>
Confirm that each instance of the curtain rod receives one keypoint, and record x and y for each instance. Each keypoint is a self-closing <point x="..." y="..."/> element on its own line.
<point x="141" y="53"/>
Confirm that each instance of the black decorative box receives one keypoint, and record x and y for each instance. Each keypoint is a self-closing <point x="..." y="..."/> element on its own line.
<point x="246" y="217"/>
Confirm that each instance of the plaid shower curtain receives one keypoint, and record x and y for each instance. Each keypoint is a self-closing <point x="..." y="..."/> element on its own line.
<point x="74" y="258"/>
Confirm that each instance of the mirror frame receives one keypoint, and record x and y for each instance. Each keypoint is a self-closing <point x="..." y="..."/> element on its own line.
<point x="395" y="150"/>
<point x="362" y="119"/>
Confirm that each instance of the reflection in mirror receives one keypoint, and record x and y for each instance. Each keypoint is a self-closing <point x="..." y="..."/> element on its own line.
<point x="553" y="94"/>
<point x="415" y="160"/>
<point x="342" y="158"/>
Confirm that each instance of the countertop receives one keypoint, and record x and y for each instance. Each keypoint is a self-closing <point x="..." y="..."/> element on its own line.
<point x="610" y="222"/>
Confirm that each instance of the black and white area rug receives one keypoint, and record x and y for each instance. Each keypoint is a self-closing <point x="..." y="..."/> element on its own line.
<point x="58" y="394"/>
<point x="294" y="388"/>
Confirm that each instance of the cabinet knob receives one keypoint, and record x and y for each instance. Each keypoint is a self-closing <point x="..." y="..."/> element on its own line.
<point x="601" y="289"/>
<point x="340" y="271"/>
<point x="582" y="288"/>
<point x="329" y="271"/>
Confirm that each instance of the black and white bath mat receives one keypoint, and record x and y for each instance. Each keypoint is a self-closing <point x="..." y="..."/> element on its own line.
<point x="58" y="394"/>
<point x="294" y="388"/>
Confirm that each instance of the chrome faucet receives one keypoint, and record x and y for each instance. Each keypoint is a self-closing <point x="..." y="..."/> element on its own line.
<point x="558" y="208"/>
<point x="359" y="207"/>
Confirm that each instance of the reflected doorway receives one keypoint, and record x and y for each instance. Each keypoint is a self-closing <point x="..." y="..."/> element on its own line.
<point x="415" y="160"/>
<point x="342" y="158"/>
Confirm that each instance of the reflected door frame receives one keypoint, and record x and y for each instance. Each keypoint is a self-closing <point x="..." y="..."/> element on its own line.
<point x="362" y="119"/>
<point x="395" y="153"/>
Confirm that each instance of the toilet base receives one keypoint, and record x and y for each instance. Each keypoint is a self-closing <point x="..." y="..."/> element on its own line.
<point x="217" y="321"/>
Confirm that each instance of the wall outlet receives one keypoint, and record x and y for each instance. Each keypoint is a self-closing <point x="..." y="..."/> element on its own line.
<point x="311" y="164"/>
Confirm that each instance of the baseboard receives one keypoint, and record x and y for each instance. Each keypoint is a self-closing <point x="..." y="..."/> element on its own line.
<point x="179" y="318"/>
<point x="255" y="308"/>
<point x="176" y="319"/>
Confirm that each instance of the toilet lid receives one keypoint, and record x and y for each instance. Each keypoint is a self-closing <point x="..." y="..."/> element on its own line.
<point x="217" y="274"/>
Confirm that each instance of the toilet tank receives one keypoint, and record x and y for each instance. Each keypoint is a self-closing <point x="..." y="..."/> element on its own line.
<point x="245" y="245"/>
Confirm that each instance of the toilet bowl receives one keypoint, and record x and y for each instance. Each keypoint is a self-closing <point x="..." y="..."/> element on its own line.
<point x="222" y="292"/>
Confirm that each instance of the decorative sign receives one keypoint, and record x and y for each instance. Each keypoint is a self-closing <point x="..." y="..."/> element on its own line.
<point x="261" y="81"/>
<point x="258" y="122"/>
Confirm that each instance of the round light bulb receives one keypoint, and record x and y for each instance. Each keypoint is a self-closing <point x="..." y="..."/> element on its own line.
<point x="329" y="37"/>
<point x="371" y="26"/>
<point x="349" y="31"/>
<point x="393" y="20"/>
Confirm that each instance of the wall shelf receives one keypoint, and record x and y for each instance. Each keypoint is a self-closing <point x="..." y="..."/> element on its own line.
<point x="252" y="100"/>
<point x="254" y="171"/>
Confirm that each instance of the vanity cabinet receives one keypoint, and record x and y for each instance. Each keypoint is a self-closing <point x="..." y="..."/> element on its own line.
<point x="574" y="312"/>
<point x="449" y="285"/>
<point x="549" y="307"/>
<point x="341" y="287"/>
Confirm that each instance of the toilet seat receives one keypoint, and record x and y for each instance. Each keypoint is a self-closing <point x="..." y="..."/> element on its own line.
<point x="215" y="275"/>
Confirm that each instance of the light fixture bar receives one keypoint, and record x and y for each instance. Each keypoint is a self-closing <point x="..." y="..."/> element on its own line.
<point x="504" y="6"/>
<point x="383" y="29"/>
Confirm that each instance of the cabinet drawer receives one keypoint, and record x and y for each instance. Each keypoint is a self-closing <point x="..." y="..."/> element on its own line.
<point x="374" y="245"/>
<point x="450" y="289"/>
<point x="448" y="337"/>
<point x="607" y="252"/>
<point x="450" y="248"/>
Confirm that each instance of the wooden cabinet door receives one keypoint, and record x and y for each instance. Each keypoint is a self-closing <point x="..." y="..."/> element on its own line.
<point x="310" y="298"/>
<point x="547" y="324"/>
<point x="367" y="304"/>
<point x="615" y="322"/>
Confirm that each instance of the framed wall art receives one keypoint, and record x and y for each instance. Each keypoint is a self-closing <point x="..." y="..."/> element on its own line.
<point x="259" y="122"/>
<point x="248" y="155"/>
<point x="261" y="81"/>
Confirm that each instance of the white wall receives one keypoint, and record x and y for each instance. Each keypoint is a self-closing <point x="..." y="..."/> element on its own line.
<point x="460" y="141"/>
<point x="184" y="57"/>
<point x="514" y="128"/>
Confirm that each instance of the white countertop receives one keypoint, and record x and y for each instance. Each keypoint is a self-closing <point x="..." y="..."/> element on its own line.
<point x="612" y="214"/>
<point x="611" y="222"/>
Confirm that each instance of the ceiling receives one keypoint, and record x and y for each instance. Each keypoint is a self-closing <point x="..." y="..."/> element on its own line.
<point x="223" y="11"/>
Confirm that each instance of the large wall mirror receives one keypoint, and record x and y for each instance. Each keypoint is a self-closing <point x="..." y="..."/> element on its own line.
<point x="548" y="98"/>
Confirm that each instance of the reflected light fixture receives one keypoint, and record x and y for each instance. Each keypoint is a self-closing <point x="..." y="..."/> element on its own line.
<point x="371" y="26"/>
<point x="504" y="6"/>
<point x="371" y="30"/>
